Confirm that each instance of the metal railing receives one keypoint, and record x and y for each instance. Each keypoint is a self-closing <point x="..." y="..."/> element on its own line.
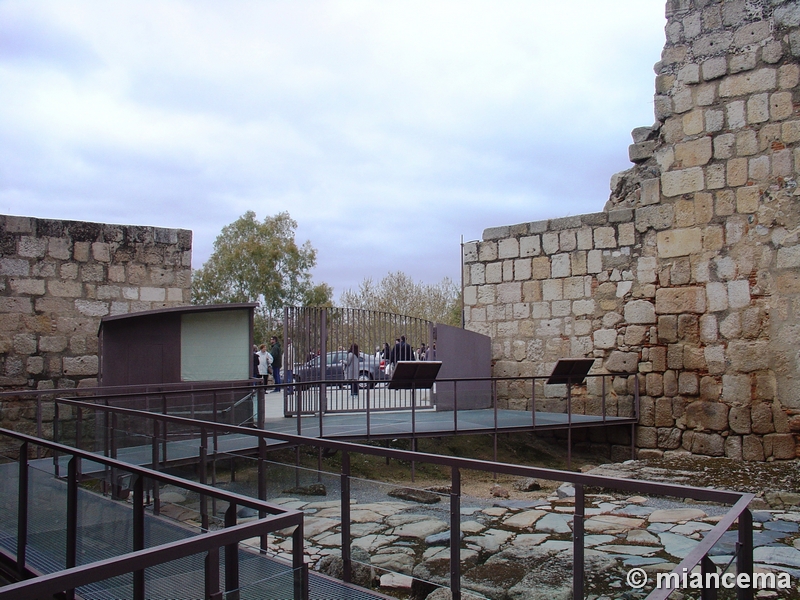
<point x="699" y="556"/>
<point x="271" y="518"/>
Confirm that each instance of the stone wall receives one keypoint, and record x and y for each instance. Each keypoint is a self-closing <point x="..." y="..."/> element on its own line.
<point x="58" y="278"/>
<point x="690" y="277"/>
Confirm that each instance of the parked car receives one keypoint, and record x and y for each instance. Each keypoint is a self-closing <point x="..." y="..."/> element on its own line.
<point x="370" y="369"/>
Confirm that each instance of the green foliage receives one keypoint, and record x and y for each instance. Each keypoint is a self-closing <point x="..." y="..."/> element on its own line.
<point x="260" y="262"/>
<point x="398" y="293"/>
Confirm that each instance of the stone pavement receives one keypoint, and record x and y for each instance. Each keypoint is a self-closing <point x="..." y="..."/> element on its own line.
<point x="522" y="549"/>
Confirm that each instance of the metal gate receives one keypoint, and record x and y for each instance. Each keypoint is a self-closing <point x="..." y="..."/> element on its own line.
<point x="316" y="344"/>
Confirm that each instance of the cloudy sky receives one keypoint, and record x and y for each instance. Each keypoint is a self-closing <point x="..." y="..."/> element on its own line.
<point x="387" y="129"/>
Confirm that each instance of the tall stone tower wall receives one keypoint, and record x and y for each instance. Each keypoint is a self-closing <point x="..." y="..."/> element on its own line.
<point x="58" y="278"/>
<point x="690" y="277"/>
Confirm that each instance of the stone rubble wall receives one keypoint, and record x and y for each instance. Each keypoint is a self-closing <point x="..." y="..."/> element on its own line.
<point x="690" y="277"/>
<point x="58" y="278"/>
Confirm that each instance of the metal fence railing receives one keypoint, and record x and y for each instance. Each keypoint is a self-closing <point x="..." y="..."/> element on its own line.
<point x="56" y="563"/>
<point x="455" y="466"/>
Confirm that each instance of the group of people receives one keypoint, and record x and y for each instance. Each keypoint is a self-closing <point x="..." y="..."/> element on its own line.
<point x="268" y="361"/>
<point x="404" y="351"/>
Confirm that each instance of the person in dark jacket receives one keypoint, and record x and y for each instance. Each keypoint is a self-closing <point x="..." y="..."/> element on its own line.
<point x="402" y="351"/>
<point x="277" y="355"/>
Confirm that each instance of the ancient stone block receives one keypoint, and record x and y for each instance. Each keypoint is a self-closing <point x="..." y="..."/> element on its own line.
<point x="761" y="418"/>
<point x="683" y="181"/>
<point x="680" y="300"/>
<point x="80" y="365"/>
<point x="736" y="389"/>
<point x="747" y="356"/>
<point x="706" y="416"/>
<point x="640" y="312"/>
<point x="760" y="80"/>
<point x="508" y="248"/>
<point x="688" y="383"/>
<point x="656" y="217"/>
<point x="679" y="242"/>
<point x="752" y="448"/>
<point x="708" y="444"/>
<point x="669" y="438"/>
<point x="780" y="446"/>
<point x="622" y="362"/>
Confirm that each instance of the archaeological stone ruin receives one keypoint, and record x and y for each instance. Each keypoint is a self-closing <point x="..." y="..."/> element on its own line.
<point x="690" y="276"/>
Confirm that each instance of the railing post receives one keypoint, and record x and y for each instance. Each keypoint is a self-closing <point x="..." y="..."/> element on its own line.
<point x="79" y="428"/>
<point x="261" y="407"/>
<point x="455" y="533"/>
<point x="154" y="459"/>
<point x="22" y="510"/>
<point x="708" y="566"/>
<point x="138" y="534"/>
<point x="231" y="559"/>
<point x="56" y="465"/>
<point x="569" y="423"/>
<point x="262" y="483"/>
<point x="368" y="391"/>
<point x="212" y="575"/>
<point x="345" y="500"/>
<point x="577" y="542"/>
<point x="455" y="407"/>
<point x="533" y="402"/>
<point x="71" y="554"/>
<point x="298" y="564"/>
<point x="164" y="429"/>
<point x="744" y="552"/>
<point x="204" y="478"/>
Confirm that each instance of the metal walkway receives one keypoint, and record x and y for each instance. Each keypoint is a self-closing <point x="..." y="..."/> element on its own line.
<point x="104" y="532"/>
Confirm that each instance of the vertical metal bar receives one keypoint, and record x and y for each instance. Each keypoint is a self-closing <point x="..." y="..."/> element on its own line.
<point x="138" y="534"/>
<point x="56" y="465"/>
<point x="72" y="518"/>
<point x="79" y="428"/>
<point x="744" y="552"/>
<point x="203" y="477"/>
<point x="569" y="423"/>
<point x="323" y="363"/>
<point x="413" y="427"/>
<point x="231" y="558"/>
<point x="707" y="566"/>
<point x="262" y="484"/>
<point x="494" y="437"/>
<point x="636" y="397"/>
<point x="212" y="575"/>
<point x="345" y="500"/>
<point x="39" y="424"/>
<point x="261" y="407"/>
<point x="164" y="429"/>
<point x="368" y="391"/>
<point x="603" y="399"/>
<point x="455" y="533"/>
<point x="154" y="460"/>
<point x="298" y="564"/>
<point x="455" y="407"/>
<point x="577" y="542"/>
<point x="533" y="402"/>
<point x="22" y="510"/>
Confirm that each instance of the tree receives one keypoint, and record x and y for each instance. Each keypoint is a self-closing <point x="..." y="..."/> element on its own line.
<point x="398" y="293"/>
<point x="260" y="262"/>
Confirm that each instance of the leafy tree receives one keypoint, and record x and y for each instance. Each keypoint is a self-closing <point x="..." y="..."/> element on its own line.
<point x="398" y="293"/>
<point x="260" y="262"/>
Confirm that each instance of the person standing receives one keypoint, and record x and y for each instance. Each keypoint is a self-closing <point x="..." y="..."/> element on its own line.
<point x="351" y="368"/>
<point x="277" y="355"/>
<point x="264" y="362"/>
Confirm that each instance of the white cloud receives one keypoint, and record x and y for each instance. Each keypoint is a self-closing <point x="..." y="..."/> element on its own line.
<point x="367" y="121"/>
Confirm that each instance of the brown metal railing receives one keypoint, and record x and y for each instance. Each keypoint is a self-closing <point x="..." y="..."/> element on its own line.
<point x="271" y="518"/>
<point x="699" y="556"/>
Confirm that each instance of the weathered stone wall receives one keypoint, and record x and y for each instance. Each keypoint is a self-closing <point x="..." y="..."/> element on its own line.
<point x="57" y="278"/>
<point x="691" y="275"/>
